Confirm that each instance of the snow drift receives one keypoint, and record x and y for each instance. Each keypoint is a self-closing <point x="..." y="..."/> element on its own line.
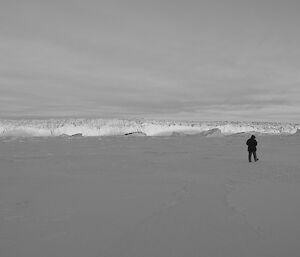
<point x="297" y="133"/>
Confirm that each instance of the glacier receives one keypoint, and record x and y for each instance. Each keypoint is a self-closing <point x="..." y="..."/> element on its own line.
<point x="120" y="127"/>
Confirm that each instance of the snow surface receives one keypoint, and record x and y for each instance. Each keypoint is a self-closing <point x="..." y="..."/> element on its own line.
<point x="167" y="196"/>
<point x="101" y="127"/>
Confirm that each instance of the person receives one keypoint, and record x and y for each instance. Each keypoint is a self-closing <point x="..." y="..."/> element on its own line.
<point x="252" y="143"/>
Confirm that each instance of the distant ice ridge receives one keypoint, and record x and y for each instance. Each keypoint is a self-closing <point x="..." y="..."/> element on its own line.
<point x="118" y="127"/>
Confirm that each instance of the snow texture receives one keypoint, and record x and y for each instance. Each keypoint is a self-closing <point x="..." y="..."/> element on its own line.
<point x="175" y="196"/>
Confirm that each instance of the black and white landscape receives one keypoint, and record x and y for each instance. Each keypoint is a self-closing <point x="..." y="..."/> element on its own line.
<point x="123" y="128"/>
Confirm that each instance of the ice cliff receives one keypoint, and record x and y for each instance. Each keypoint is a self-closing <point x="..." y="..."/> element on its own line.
<point x="114" y="127"/>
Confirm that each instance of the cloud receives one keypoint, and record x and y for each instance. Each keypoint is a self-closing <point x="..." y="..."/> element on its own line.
<point x="196" y="59"/>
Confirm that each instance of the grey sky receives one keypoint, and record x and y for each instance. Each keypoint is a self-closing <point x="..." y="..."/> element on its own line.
<point x="161" y="58"/>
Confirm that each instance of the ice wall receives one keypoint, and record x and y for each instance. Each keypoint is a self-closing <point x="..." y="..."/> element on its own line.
<point x="114" y="127"/>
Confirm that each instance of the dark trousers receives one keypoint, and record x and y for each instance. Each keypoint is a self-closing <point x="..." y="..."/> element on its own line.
<point x="254" y="156"/>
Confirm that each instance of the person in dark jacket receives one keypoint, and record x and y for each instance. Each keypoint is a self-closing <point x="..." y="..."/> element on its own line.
<point x="252" y="143"/>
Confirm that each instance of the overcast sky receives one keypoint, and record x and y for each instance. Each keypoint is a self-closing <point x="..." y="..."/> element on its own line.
<point x="192" y="59"/>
